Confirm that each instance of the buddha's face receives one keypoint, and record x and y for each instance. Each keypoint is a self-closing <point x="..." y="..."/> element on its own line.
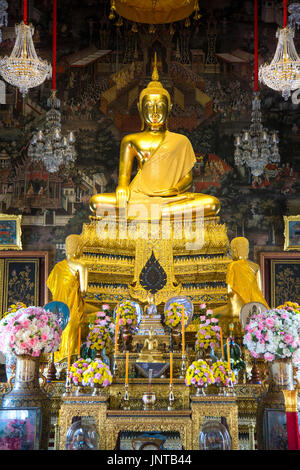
<point x="154" y="110"/>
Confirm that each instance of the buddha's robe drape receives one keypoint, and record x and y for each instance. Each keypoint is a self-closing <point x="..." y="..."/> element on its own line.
<point x="171" y="161"/>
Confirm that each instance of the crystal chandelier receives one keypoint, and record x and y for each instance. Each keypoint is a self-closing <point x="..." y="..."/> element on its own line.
<point x="283" y="73"/>
<point x="23" y="68"/>
<point x="256" y="147"/>
<point x="3" y="15"/>
<point x="48" y="145"/>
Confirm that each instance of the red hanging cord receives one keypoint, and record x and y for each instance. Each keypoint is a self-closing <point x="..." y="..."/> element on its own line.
<point x="284" y="13"/>
<point x="54" y="45"/>
<point x="25" y="11"/>
<point x="255" y="47"/>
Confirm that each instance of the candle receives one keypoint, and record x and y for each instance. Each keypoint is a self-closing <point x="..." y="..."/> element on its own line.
<point x="117" y="330"/>
<point x="182" y="326"/>
<point x="79" y="341"/>
<point x="228" y="355"/>
<point x="126" y="367"/>
<point x="171" y="367"/>
<point x="59" y="413"/>
<point x="222" y="346"/>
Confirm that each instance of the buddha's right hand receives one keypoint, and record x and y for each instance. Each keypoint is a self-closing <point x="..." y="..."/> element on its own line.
<point x="122" y="195"/>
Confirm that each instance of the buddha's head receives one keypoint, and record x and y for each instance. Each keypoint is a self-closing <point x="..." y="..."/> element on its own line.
<point x="239" y="248"/>
<point x="154" y="103"/>
<point x="73" y="246"/>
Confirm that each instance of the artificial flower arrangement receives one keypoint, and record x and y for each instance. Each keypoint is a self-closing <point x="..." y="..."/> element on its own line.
<point x="291" y="306"/>
<point x="173" y="316"/>
<point x="273" y="334"/>
<point x="101" y="331"/>
<point x="222" y="376"/>
<point x="78" y="368"/>
<point x="199" y="374"/>
<point x="30" y="331"/>
<point x="128" y="316"/>
<point x="14" y="307"/>
<point x="97" y="373"/>
<point x="208" y="334"/>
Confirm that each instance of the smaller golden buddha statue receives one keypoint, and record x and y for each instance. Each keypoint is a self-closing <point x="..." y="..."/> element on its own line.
<point x="243" y="282"/>
<point x="68" y="282"/>
<point x="150" y="351"/>
<point x="151" y="319"/>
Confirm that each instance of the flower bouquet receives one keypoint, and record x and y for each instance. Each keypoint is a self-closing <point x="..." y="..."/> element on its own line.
<point x="273" y="334"/>
<point x="290" y="306"/>
<point x="208" y="334"/>
<point x="97" y="375"/>
<point x="222" y="376"/>
<point x="128" y="316"/>
<point x="77" y="369"/>
<point x="199" y="375"/>
<point x="14" y="307"/>
<point x="30" y="331"/>
<point x="173" y="316"/>
<point x="10" y="357"/>
<point x="101" y="331"/>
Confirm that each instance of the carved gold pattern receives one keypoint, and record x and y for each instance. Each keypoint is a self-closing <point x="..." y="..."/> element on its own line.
<point x="214" y="406"/>
<point x="198" y="272"/>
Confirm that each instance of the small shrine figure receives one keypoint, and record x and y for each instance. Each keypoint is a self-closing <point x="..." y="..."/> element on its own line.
<point x="150" y="351"/>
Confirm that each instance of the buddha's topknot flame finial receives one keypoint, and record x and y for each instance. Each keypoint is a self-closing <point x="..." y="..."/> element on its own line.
<point x="155" y="76"/>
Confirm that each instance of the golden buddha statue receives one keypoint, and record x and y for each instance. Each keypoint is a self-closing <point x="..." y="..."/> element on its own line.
<point x="165" y="163"/>
<point x="151" y="319"/>
<point x="243" y="281"/>
<point x="150" y="351"/>
<point x="68" y="283"/>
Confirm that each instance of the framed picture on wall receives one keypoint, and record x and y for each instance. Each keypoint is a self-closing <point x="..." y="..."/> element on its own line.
<point x="292" y="232"/>
<point x="10" y="232"/>
<point x="20" y="428"/>
<point x="280" y="273"/>
<point x="23" y="277"/>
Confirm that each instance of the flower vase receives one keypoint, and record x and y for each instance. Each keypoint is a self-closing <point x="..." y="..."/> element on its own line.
<point x="79" y="390"/>
<point x="26" y="392"/>
<point x="10" y="365"/>
<point x="126" y="338"/>
<point x="200" y="391"/>
<point x="97" y="390"/>
<point x="280" y="378"/>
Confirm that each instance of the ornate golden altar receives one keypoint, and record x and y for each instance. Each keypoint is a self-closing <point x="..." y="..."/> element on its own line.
<point x="193" y="258"/>
<point x="186" y="417"/>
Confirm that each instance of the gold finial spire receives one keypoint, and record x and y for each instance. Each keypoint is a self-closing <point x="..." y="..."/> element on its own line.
<point x="155" y="76"/>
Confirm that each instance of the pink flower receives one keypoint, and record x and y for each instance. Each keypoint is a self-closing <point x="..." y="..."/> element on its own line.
<point x="202" y="317"/>
<point x="289" y="339"/>
<point x="269" y="357"/>
<point x="202" y="306"/>
<point x="269" y="322"/>
<point x="209" y="312"/>
<point x="105" y="382"/>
